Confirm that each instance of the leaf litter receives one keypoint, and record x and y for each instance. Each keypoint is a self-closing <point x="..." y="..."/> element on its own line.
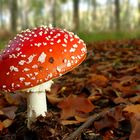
<point x="97" y="100"/>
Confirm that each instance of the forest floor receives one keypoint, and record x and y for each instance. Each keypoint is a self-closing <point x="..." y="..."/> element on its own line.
<point x="99" y="100"/>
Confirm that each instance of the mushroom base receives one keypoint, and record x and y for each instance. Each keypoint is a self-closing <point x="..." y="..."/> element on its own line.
<point x="36" y="101"/>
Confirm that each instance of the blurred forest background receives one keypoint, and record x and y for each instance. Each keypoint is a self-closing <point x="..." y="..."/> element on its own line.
<point x="91" y="19"/>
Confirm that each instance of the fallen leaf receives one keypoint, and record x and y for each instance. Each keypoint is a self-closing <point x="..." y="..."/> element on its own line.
<point x="98" y="80"/>
<point x="15" y="99"/>
<point x="135" y="99"/>
<point x="11" y="100"/>
<point x="7" y="122"/>
<point x="135" y="123"/>
<point x="10" y="112"/>
<point x="125" y="90"/>
<point x="132" y="109"/>
<point x="120" y="100"/>
<point x="73" y="105"/>
<point x="53" y="95"/>
<point x="69" y="122"/>
<point x="1" y="126"/>
<point x="3" y="102"/>
<point x="110" y="120"/>
<point x="80" y="119"/>
<point x="1" y="112"/>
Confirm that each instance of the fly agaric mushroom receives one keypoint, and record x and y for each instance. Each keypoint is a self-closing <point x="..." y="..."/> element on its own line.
<point x="35" y="57"/>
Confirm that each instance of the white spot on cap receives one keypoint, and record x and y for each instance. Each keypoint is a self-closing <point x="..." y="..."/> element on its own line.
<point x="36" y="73"/>
<point x="26" y="69"/>
<point x="17" y="85"/>
<point x="65" y="60"/>
<point x="72" y="57"/>
<point x="17" y="49"/>
<point x="12" y="84"/>
<point x="23" y="55"/>
<point x="21" y="62"/>
<point x="50" y="75"/>
<point x="50" y="50"/>
<point x="68" y="64"/>
<point x="13" y="68"/>
<point x="58" y="34"/>
<point x="40" y="33"/>
<point x="47" y="38"/>
<point x="75" y="46"/>
<point x="33" y="78"/>
<point x="65" y="50"/>
<point x="4" y="86"/>
<point x="65" y="40"/>
<point x="29" y="75"/>
<point x="27" y="83"/>
<point x="12" y="56"/>
<point x="58" y="41"/>
<point x="7" y="73"/>
<point x="51" y="43"/>
<point x="21" y="78"/>
<point x="71" y="39"/>
<point x="35" y="66"/>
<point x="58" y="69"/>
<point x="83" y="49"/>
<point x="37" y="44"/>
<point x="64" y="45"/>
<point x="30" y="58"/>
<point x="42" y="57"/>
<point x="45" y="32"/>
<point x="44" y="43"/>
<point x="72" y="50"/>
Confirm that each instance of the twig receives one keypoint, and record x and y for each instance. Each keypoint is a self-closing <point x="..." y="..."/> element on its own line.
<point x="89" y="121"/>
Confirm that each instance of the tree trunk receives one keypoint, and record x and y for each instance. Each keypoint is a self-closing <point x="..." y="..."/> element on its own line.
<point x="13" y="11"/>
<point x="109" y="11"/>
<point x="127" y="15"/>
<point x="117" y="14"/>
<point x="94" y="13"/>
<point x="54" y="4"/>
<point x="1" y="14"/>
<point x="76" y="14"/>
<point x="139" y="13"/>
<point x="25" y="10"/>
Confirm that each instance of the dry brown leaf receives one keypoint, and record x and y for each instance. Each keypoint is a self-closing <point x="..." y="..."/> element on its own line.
<point x="11" y="100"/>
<point x="7" y="122"/>
<point x="53" y="95"/>
<point x="69" y="122"/>
<point x="15" y="99"/>
<point x="3" y="102"/>
<point x="127" y="90"/>
<point x="135" y="123"/>
<point x="73" y="105"/>
<point x="98" y="80"/>
<point x="120" y="100"/>
<point x="80" y="119"/>
<point x="132" y="109"/>
<point x="1" y="126"/>
<point x="10" y="112"/>
<point x="135" y="99"/>
<point x="1" y="112"/>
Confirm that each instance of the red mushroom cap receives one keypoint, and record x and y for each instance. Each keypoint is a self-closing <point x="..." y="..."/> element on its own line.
<point x="38" y="55"/>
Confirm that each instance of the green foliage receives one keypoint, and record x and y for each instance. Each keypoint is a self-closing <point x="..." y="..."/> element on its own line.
<point x="100" y="36"/>
<point x="2" y="44"/>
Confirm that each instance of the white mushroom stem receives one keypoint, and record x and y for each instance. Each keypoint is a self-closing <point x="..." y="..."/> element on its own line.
<point x="36" y="102"/>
